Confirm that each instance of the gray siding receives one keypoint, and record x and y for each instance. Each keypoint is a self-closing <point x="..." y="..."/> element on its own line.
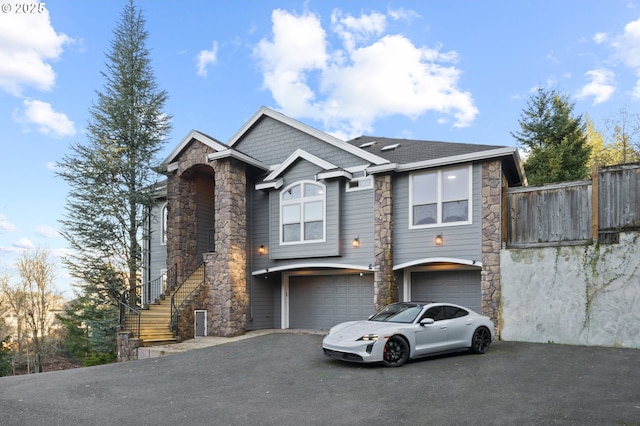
<point x="461" y="242"/>
<point x="264" y="306"/>
<point x="352" y="216"/>
<point x="303" y="170"/>
<point x="157" y="253"/>
<point x="273" y="142"/>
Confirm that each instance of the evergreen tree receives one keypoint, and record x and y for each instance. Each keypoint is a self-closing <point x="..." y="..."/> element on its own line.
<point x="555" y="142"/>
<point x="110" y="178"/>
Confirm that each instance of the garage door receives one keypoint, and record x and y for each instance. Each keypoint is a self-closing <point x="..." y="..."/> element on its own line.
<point x="322" y="301"/>
<point x="459" y="287"/>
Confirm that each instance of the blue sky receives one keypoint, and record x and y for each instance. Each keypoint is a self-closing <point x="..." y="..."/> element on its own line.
<point x="457" y="71"/>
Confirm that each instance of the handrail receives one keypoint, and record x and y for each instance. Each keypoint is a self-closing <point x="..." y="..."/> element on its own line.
<point x="126" y="312"/>
<point x="130" y="304"/>
<point x="160" y="286"/>
<point x="182" y="294"/>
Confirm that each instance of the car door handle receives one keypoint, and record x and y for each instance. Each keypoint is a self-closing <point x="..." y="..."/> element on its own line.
<point x="443" y="327"/>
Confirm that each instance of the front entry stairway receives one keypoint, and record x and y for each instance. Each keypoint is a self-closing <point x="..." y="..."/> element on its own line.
<point x="156" y="322"/>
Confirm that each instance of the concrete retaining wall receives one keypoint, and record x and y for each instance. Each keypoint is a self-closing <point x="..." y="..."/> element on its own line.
<point x="585" y="295"/>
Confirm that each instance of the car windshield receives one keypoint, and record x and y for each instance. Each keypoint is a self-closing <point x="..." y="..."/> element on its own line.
<point x="397" y="313"/>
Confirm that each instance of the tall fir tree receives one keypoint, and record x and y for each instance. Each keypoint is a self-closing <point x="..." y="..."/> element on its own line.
<point x="110" y="177"/>
<point x="555" y="142"/>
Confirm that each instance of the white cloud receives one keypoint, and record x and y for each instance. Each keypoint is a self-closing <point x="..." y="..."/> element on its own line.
<point x="23" y="243"/>
<point x="627" y="45"/>
<point x="407" y="15"/>
<point x="354" y="31"/>
<point x="5" y="225"/>
<point x="48" y="121"/>
<point x="601" y="87"/>
<point x="298" y="46"/>
<point x="370" y="76"/>
<point x="47" y="231"/>
<point x="600" y="38"/>
<point x="207" y="57"/>
<point x="28" y="43"/>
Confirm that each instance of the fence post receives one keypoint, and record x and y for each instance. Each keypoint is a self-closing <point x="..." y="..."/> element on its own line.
<point x="595" y="201"/>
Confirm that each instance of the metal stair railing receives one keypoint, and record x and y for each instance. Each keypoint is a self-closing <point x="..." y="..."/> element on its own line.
<point x="131" y="304"/>
<point x="161" y="286"/>
<point x="130" y="314"/>
<point x="183" y="293"/>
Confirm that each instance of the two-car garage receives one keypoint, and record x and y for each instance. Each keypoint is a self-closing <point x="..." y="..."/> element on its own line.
<point x="318" y="302"/>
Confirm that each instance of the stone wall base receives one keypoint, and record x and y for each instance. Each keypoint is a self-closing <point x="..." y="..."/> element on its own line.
<point x="127" y="346"/>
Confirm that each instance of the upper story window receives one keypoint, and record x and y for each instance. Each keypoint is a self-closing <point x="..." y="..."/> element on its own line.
<point x="302" y="213"/>
<point x="163" y="224"/>
<point x="441" y="197"/>
<point x="360" y="183"/>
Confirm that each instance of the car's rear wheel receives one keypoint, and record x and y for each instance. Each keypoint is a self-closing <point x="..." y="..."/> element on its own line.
<point x="396" y="352"/>
<point x="481" y="340"/>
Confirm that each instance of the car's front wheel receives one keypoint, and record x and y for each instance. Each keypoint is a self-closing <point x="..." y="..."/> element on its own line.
<point x="396" y="352"/>
<point x="481" y="340"/>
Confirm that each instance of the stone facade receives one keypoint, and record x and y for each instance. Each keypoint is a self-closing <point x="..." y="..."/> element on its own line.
<point x="385" y="286"/>
<point x="186" y="327"/>
<point x="182" y="208"/>
<point x="127" y="346"/>
<point x="226" y="268"/>
<point x="491" y="239"/>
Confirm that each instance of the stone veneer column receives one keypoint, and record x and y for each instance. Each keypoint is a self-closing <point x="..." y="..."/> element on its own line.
<point x="226" y="268"/>
<point x="182" y="208"/>
<point x="491" y="233"/>
<point x="384" y="286"/>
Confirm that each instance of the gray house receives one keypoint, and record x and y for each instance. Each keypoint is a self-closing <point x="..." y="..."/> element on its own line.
<point x="294" y="228"/>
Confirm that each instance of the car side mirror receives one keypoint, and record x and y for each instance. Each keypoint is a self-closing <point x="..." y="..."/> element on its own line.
<point x="426" y="321"/>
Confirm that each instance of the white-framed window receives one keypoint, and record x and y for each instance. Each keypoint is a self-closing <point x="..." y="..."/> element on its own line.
<point x="302" y="213"/>
<point x="359" y="183"/>
<point x="163" y="224"/>
<point x="441" y="197"/>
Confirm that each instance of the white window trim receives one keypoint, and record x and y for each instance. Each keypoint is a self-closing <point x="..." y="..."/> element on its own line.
<point x="360" y="188"/>
<point x="164" y="222"/>
<point x="301" y="202"/>
<point x="439" y="223"/>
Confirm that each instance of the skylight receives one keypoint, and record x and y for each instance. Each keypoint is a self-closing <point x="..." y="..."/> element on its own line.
<point x="368" y="144"/>
<point x="390" y="147"/>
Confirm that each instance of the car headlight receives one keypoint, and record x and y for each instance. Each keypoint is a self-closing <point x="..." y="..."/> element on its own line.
<point x="369" y="337"/>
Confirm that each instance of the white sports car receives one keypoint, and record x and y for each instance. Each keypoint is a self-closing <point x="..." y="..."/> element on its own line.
<point x="409" y="330"/>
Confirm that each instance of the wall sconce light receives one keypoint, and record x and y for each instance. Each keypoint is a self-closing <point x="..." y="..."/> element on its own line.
<point x="356" y="242"/>
<point x="439" y="240"/>
<point x="262" y="250"/>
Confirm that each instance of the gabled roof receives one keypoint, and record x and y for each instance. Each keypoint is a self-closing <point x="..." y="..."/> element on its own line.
<point x="332" y="140"/>
<point x="274" y="179"/>
<point x="200" y="137"/>
<point x="297" y="154"/>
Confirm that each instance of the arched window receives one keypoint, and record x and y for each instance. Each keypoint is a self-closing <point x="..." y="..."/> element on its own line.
<point x="302" y="213"/>
<point x="163" y="225"/>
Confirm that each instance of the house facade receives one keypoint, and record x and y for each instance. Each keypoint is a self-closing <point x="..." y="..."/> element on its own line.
<point x="298" y="229"/>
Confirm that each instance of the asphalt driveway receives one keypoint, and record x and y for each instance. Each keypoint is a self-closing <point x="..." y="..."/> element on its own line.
<point x="284" y="379"/>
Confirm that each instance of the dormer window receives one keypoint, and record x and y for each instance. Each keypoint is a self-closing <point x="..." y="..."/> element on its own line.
<point x="302" y="213"/>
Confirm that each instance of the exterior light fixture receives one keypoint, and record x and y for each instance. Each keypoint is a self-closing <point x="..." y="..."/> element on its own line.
<point x="356" y="242"/>
<point x="439" y="240"/>
<point x="262" y="250"/>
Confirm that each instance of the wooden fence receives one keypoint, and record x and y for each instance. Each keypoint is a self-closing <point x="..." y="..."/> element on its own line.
<point x="577" y="212"/>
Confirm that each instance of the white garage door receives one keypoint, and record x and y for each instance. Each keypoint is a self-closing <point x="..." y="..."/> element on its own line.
<point x="322" y="301"/>
<point x="459" y="287"/>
